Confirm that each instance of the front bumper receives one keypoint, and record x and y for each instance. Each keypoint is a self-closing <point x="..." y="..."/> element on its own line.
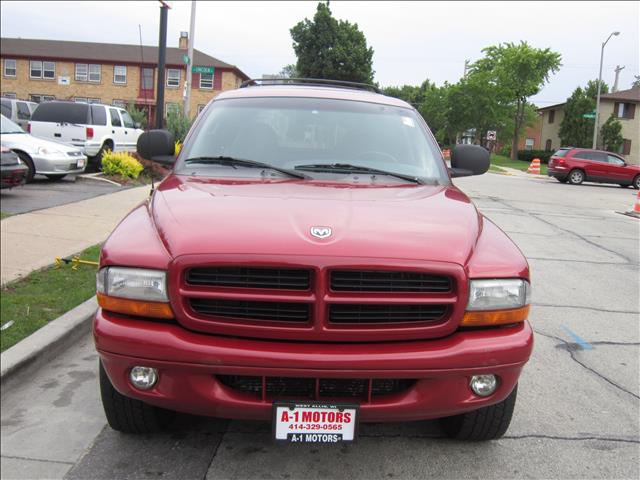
<point x="59" y="165"/>
<point x="188" y="363"/>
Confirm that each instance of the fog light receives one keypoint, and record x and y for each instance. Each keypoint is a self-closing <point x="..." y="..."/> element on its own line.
<point x="483" y="385"/>
<point x="143" y="378"/>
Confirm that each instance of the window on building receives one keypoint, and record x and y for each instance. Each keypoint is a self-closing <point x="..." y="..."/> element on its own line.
<point x="9" y="95"/>
<point x="119" y="103"/>
<point x="35" y="69"/>
<point x="95" y="73"/>
<point x="115" y="117"/>
<point x="82" y="72"/>
<point x="38" y="98"/>
<point x="10" y="67"/>
<point x="626" y="146"/>
<point x="147" y="79"/>
<point x="173" y="108"/>
<point x="528" y="144"/>
<point x="120" y="74"/>
<point x="81" y="99"/>
<point x="206" y="81"/>
<point x="94" y="100"/>
<point x="547" y="145"/>
<point x="173" y="77"/>
<point x="625" y="110"/>
<point x="49" y="70"/>
<point x="552" y="116"/>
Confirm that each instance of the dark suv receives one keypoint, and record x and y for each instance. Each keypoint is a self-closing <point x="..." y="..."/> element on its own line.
<point x="577" y="165"/>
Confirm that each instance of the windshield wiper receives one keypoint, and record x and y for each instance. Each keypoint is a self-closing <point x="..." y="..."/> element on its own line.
<point x="224" y="160"/>
<point x="348" y="168"/>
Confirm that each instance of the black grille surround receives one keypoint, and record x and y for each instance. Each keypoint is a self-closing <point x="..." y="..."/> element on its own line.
<point x="315" y="388"/>
<point x="389" y="281"/>
<point x="395" y="313"/>
<point x="249" y="277"/>
<point x="249" y="310"/>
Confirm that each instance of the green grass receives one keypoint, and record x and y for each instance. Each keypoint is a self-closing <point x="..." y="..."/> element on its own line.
<point x="42" y="296"/>
<point x="4" y="215"/>
<point x="500" y="161"/>
<point x="493" y="168"/>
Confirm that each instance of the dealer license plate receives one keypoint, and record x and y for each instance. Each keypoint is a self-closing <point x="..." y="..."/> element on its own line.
<point x="314" y="422"/>
<point x="81" y="163"/>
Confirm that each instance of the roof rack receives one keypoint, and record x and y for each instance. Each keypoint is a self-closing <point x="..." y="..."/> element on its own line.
<point x="323" y="82"/>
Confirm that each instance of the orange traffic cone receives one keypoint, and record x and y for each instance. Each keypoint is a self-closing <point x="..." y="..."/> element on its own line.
<point x="636" y="207"/>
<point x="534" y="167"/>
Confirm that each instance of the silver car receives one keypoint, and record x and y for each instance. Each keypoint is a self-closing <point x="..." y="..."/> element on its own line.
<point x="52" y="159"/>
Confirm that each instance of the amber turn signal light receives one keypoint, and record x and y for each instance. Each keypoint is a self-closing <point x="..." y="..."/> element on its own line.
<point x="135" y="307"/>
<point x="491" y="318"/>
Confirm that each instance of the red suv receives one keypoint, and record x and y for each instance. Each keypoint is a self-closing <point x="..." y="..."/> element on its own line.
<point x="577" y="165"/>
<point x="309" y="262"/>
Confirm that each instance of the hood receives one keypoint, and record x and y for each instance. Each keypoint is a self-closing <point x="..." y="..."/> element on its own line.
<point x="214" y="216"/>
<point x="29" y="143"/>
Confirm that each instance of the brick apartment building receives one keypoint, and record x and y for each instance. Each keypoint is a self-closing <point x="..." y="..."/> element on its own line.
<point x="110" y="73"/>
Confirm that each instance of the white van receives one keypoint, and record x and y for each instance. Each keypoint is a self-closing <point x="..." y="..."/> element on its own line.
<point x="18" y="111"/>
<point x="94" y="128"/>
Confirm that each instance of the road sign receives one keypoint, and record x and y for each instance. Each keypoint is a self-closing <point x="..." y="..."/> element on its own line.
<point x="185" y="59"/>
<point x="200" y="69"/>
<point x="589" y="115"/>
<point x="491" y="135"/>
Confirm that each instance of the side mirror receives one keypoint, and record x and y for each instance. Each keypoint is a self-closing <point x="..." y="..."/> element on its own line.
<point x="467" y="160"/>
<point x="158" y="146"/>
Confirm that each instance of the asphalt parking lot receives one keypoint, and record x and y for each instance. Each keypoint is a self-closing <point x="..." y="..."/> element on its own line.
<point x="577" y="414"/>
<point x="44" y="193"/>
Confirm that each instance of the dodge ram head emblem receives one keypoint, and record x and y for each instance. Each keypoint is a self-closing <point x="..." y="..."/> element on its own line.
<point x="321" y="232"/>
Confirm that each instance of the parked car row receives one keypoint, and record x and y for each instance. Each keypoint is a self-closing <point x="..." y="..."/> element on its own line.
<point x="59" y="138"/>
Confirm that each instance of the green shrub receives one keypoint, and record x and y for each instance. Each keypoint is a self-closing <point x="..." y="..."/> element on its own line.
<point x="528" y="155"/>
<point x="138" y="115"/>
<point x="505" y="151"/>
<point x="121" y="163"/>
<point x="178" y="124"/>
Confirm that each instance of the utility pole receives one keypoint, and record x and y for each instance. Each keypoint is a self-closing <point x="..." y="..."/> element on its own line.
<point x="162" y="54"/>
<point x="466" y="66"/>
<point x="615" y="83"/>
<point x="597" y="119"/>
<point x="192" y="36"/>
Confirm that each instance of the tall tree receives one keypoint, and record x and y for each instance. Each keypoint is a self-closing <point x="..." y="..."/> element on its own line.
<point x="575" y="129"/>
<point x="611" y="134"/>
<point x="518" y="71"/>
<point x="331" y="49"/>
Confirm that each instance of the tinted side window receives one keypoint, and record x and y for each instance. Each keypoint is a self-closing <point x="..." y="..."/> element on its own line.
<point x="583" y="155"/>
<point x="115" y="118"/>
<point x="23" y="111"/>
<point x="99" y="115"/>
<point x="6" y="108"/>
<point x="613" y="160"/>
<point x="599" y="157"/>
<point x="62" y="112"/>
<point x="561" y="153"/>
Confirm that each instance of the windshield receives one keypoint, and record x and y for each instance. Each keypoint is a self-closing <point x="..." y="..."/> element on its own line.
<point x="297" y="132"/>
<point x="7" y="126"/>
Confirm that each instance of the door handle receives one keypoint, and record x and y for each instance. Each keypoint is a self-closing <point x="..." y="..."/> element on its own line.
<point x="125" y="132"/>
<point x="113" y="131"/>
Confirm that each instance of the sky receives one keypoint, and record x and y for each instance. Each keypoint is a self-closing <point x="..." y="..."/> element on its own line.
<point x="412" y="41"/>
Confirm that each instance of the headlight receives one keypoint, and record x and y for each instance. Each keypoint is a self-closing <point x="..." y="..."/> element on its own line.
<point x="134" y="291"/>
<point x="133" y="283"/>
<point x="497" y="302"/>
<point x="48" y="151"/>
<point x="498" y="294"/>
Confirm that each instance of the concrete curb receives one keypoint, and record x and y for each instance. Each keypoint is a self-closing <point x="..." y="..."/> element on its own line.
<point x="47" y="342"/>
<point x="93" y="177"/>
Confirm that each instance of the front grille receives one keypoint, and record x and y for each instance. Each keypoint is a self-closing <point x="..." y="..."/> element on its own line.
<point x="245" y="277"/>
<point x="385" y="313"/>
<point x="312" y="388"/>
<point x="388" y="281"/>
<point x="276" y="311"/>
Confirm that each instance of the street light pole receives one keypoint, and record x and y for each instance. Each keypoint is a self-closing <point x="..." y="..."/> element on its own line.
<point x="192" y="35"/>
<point x="597" y="119"/>
<point x="162" y="52"/>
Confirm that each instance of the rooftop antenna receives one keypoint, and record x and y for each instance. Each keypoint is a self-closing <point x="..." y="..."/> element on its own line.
<point x="144" y="93"/>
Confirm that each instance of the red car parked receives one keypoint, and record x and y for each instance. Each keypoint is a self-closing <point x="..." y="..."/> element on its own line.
<point x="309" y="262"/>
<point x="577" y="165"/>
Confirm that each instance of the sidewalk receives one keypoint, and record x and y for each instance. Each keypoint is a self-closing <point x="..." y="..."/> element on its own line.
<point x="33" y="240"/>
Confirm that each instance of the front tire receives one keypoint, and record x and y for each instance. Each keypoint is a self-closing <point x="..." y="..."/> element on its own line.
<point x="636" y="182"/>
<point x="94" y="164"/>
<point x="26" y="159"/>
<point x="487" y="423"/>
<point x="128" y="415"/>
<point x="576" y="177"/>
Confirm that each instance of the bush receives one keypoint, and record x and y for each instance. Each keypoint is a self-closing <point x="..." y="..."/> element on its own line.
<point x="177" y="147"/>
<point x="178" y="124"/>
<point x="505" y="151"/>
<point x="528" y="155"/>
<point x="137" y="115"/>
<point x="121" y="163"/>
